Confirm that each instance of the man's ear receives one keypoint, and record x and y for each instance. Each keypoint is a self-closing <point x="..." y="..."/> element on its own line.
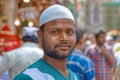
<point x="39" y="33"/>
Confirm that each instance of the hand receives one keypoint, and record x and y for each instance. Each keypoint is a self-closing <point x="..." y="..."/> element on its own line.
<point x="103" y="50"/>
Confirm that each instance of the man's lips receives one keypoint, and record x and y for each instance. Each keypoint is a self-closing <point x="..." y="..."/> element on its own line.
<point x="64" y="46"/>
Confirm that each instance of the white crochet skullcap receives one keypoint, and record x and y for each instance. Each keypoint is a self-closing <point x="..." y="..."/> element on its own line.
<point x="30" y="31"/>
<point x="55" y="12"/>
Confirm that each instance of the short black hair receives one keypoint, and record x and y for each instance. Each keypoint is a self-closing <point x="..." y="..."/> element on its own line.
<point x="42" y="27"/>
<point x="98" y="33"/>
<point x="79" y="34"/>
<point x="31" y="38"/>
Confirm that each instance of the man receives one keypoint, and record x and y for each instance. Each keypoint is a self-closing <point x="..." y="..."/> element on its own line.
<point x="101" y="57"/>
<point x="19" y="59"/>
<point x="57" y="29"/>
<point x="79" y="63"/>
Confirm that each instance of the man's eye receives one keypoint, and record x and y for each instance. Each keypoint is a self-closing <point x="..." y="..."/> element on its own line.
<point x="70" y="32"/>
<point x="54" y="32"/>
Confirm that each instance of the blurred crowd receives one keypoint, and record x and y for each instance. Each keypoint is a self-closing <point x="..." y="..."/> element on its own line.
<point x="16" y="60"/>
<point x="96" y="56"/>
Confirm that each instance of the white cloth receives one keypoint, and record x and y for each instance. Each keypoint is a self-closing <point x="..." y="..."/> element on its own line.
<point x="4" y="76"/>
<point x="17" y="60"/>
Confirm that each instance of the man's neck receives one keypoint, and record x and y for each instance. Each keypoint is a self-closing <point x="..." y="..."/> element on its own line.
<point x="79" y="47"/>
<point x="58" y="64"/>
<point x="99" y="45"/>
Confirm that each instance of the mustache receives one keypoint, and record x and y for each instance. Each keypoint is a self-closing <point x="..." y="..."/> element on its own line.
<point x="63" y="43"/>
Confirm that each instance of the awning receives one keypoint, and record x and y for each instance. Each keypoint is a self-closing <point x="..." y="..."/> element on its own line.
<point x="111" y="4"/>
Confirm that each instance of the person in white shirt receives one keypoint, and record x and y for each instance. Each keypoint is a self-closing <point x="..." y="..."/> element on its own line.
<point x="17" y="60"/>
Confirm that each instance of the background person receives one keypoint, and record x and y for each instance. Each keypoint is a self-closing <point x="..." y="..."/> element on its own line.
<point x="79" y="63"/>
<point x="18" y="59"/>
<point x="102" y="58"/>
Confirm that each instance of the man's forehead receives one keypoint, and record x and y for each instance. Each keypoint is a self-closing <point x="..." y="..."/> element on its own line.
<point x="60" y="21"/>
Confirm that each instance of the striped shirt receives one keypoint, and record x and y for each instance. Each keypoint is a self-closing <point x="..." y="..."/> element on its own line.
<point x="81" y="65"/>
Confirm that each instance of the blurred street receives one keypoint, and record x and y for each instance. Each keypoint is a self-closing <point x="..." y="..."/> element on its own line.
<point x="91" y="16"/>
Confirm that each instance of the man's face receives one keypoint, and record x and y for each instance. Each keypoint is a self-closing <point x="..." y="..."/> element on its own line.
<point x="101" y="39"/>
<point x="59" y="38"/>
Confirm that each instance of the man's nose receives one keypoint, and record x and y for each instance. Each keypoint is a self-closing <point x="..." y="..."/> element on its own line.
<point x="64" y="37"/>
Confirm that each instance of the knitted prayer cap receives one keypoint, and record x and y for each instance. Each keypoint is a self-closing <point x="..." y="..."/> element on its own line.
<point x="30" y="34"/>
<point x="55" y="12"/>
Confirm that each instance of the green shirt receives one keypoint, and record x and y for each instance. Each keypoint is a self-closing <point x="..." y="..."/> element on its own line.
<point x="41" y="70"/>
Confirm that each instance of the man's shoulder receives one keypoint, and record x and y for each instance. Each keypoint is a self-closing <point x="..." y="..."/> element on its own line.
<point x="77" y="55"/>
<point x="79" y="61"/>
<point x="24" y="76"/>
<point x="11" y="54"/>
<point x="36" y="64"/>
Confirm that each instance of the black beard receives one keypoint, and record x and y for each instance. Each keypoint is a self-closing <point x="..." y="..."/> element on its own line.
<point x="54" y="53"/>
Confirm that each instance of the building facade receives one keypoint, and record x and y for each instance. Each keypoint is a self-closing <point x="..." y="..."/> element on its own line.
<point x="90" y="13"/>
